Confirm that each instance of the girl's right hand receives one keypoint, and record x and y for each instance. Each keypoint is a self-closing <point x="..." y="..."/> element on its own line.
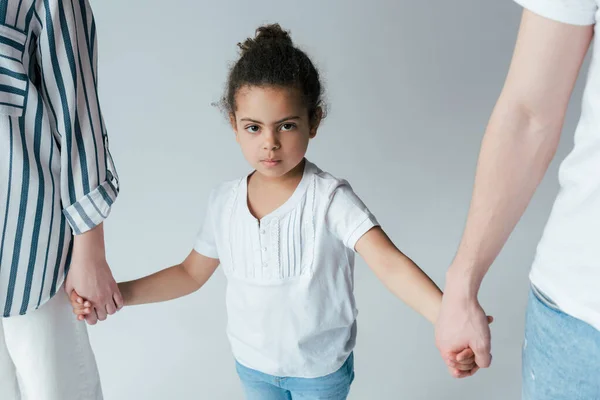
<point x="81" y="306"/>
<point x="463" y="364"/>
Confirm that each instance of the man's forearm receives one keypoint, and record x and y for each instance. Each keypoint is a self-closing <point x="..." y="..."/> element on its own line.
<point x="516" y="151"/>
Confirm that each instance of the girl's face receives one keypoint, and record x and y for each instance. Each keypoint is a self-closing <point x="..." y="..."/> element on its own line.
<point x="272" y="126"/>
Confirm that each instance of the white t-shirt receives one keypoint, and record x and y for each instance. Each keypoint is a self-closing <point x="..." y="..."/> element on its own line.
<point x="290" y="278"/>
<point x="567" y="263"/>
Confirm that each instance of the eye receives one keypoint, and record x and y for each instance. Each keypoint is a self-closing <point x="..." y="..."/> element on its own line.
<point x="288" y="127"/>
<point x="253" y="128"/>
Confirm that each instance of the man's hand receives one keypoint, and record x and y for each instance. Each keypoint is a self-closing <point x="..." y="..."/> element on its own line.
<point x="462" y="324"/>
<point x="90" y="276"/>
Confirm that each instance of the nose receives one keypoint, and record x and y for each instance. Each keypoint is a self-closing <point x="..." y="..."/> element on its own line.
<point x="271" y="141"/>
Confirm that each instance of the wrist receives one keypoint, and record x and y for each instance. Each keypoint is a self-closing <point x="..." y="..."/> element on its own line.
<point x="125" y="289"/>
<point x="434" y="314"/>
<point x="463" y="282"/>
<point x="90" y="244"/>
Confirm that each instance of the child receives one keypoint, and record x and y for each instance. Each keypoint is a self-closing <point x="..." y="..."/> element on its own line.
<point x="286" y="236"/>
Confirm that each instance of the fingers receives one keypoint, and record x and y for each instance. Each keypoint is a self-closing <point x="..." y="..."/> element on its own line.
<point x="74" y="297"/>
<point x="483" y="358"/>
<point x="466" y="362"/>
<point x="465" y="354"/>
<point x="84" y="310"/>
<point x="458" y="374"/>
<point x="92" y="318"/>
<point x="81" y="310"/>
<point x="111" y="308"/>
<point x="465" y="367"/>
<point x="461" y="364"/>
<point x="113" y="304"/>
<point x="101" y="313"/>
<point x="81" y="307"/>
<point x="78" y="302"/>
<point x="118" y="298"/>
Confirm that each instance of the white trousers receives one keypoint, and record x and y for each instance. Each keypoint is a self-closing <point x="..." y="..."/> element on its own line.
<point x="46" y="355"/>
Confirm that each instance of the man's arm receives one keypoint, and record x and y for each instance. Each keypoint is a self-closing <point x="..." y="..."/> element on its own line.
<point x="519" y="143"/>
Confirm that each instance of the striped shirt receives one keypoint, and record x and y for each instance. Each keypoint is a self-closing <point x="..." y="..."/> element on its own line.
<point x="57" y="177"/>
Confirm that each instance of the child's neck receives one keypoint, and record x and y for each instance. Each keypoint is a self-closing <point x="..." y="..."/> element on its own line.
<point x="266" y="194"/>
<point x="290" y="179"/>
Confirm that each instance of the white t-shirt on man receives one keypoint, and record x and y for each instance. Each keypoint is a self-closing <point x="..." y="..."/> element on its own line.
<point x="567" y="263"/>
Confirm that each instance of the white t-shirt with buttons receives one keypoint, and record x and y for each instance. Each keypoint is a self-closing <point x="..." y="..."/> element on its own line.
<point x="290" y="276"/>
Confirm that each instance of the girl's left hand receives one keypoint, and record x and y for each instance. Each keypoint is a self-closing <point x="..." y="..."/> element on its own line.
<point x="81" y="306"/>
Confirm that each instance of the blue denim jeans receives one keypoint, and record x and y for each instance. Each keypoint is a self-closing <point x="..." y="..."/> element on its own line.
<point x="561" y="354"/>
<point x="335" y="386"/>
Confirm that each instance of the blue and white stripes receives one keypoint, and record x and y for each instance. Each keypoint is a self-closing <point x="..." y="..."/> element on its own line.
<point x="57" y="177"/>
<point x="13" y="80"/>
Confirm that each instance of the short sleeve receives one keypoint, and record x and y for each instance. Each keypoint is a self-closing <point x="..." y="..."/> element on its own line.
<point x="347" y="217"/>
<point x="205" y="241"/>
<point x="574" y="12"/>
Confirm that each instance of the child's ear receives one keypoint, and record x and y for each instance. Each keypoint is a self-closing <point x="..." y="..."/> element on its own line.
<point x="233" y="124"/>
<point x="315" y="122"/>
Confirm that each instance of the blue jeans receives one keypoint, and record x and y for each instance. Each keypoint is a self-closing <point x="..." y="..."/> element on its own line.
<point x="335" y="386"/>
<point x="561" y="354"/>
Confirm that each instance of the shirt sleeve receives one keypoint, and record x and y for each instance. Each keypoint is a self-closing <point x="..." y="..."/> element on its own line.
<point x="68" y="63"/>
<point x="574" y="12"/>
<point x="205" y="241"/>
<point x="347" y="217"/>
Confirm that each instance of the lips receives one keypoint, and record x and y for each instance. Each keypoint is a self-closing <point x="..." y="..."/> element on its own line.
<point x="270" y="162"/>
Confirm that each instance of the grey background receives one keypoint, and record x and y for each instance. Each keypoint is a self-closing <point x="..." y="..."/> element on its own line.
<point x="411" y="85"/>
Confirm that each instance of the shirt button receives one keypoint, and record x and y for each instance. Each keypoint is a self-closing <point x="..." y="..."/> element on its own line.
<point x="263" y="231"/>
<point x="264" y="249"/>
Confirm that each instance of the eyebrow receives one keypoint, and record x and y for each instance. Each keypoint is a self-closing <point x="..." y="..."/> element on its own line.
<point x="277" y="122"/>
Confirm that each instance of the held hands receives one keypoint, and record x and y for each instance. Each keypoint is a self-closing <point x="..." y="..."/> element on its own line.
<point x="463" y="364"/>
<point x="90" y="276"/>
<point x="463" y="335"/>
<point x="81" y="307"/>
